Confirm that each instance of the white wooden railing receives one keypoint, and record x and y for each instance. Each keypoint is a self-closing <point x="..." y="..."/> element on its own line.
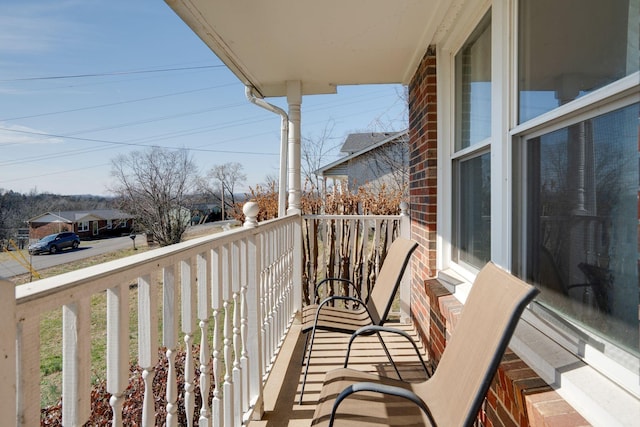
<point x="242" y="281"/>
<point x="237" y="290"/>
<point x="352" y="247"/>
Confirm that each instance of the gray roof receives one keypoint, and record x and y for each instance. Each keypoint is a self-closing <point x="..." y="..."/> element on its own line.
<point x="73" y="216"/>
<point x="337" y="166"/>
<point x="359" y="141"/>
<point x="100" y="213"/>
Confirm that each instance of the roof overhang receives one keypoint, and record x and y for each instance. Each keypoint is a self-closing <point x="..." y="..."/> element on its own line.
<point x="322" y="44"/>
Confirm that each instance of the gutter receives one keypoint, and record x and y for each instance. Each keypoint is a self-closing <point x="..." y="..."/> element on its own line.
<point x="258" y="100"/>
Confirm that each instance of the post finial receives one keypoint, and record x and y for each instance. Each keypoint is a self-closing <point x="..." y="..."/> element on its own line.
<point x="250" y="210"/>
<point x="404" y="209"/>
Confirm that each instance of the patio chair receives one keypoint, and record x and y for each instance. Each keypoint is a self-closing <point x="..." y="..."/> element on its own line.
<point x="455" y="392"/>
<point x="373" y="311"/>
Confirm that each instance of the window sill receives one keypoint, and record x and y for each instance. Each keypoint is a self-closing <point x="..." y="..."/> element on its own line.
<point x="594" y="396"/>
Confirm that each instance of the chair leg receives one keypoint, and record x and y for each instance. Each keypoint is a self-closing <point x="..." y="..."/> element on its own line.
<point x="304" y="349"/>
<point x="306" y="368"/>
<point x="386" y="350"/>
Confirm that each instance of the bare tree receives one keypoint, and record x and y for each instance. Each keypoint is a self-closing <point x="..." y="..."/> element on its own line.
<point x="221" y="183"/>
<point x="392" y="161"/>
<point x="153" y="185"/>
<point x="314" y="155"/>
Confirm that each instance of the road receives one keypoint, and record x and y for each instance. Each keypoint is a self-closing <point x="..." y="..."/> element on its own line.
<point x="9" y="267"/>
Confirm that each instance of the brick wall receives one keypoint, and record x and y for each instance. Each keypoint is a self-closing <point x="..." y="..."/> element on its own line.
<point x="422" y="178"/>
<point x="517" y="397"/>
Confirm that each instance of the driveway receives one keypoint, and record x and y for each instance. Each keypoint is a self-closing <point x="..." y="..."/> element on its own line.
<point x="10" y="267"/>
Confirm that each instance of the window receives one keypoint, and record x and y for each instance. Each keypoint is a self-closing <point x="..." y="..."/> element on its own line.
<point x="473" y="204"/>
<point x="109" y="224"/>
<point x="471" y="160"/>
<point x="581" y="233"/>
<point x="577" y="171"/>
<point x="567" y="50"/>
<point x="83" y="226"/>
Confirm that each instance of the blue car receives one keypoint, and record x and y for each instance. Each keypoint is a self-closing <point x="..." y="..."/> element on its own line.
<point x="55" y="243"/>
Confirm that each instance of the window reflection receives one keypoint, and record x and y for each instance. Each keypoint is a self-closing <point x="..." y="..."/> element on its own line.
<point x="569" y="48"/>
<point x="582" y="228"/>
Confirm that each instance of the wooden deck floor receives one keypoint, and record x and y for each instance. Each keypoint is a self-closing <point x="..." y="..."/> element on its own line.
<point x="282" y="391"/>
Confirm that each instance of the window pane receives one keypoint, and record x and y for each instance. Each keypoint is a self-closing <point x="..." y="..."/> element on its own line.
<point x="582" y="223"/>
<point x="570" y="48"/>
<point x="473" y="87"/>
<point x="473" y="230"/>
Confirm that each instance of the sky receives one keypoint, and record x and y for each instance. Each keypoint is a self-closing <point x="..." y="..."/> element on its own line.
<point x="82" y="81"/>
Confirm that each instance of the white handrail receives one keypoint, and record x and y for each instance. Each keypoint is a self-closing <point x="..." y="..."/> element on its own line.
<point x="229" y="280"/>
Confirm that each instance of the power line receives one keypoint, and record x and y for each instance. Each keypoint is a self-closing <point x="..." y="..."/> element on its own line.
<point x="93" y="107"/>
<point x="137" y="122"/>
<point x="132" y="144"/>
<point x="109" y="74"/>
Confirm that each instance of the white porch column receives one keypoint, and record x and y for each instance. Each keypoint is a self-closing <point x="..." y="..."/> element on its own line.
<point x="294" y="99"/>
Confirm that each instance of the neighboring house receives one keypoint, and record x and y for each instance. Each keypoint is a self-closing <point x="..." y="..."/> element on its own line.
<point x="87" y="223"/>
<point x="371" y="160"/>
<point x="523" y="148"/>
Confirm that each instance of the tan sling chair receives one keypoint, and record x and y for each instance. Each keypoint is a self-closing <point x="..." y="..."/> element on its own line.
<point x="453" y="396"/>
<point x="374" y="311"/>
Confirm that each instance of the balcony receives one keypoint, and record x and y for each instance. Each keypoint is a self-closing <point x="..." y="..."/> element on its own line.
<point x="230" y="298"/>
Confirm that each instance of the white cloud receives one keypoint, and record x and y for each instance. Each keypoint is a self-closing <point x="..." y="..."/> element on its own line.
<point x="22" y="135"/>
<point x="35" y="27"/>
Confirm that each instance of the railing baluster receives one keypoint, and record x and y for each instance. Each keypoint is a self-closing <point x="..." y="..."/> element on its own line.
<point x="263" y="284"/>
<point x="117" y="349"/>
<point x="170" y="341"/>
<point x="235" y="371"/>
<point x="188" y="328"/>
<point x="274" y="293"/>
<point x="227" y="386"/>
<point x="147" y="344"/>
<point x="28" y="399"/>
<point x="235" y="288"/>
<point x="255" y="331"/>
<point x="268" y="252"/>
<point x="216" y="297"/>
<point x="76" y="357"/>
<point x="244" y="361"/>
<point x="204" y="294"/>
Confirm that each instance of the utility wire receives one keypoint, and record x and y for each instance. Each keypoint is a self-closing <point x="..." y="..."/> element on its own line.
<point x="131" y="144"/>
<point x="137" y="122"/>
<point x="93" y="107"/>
<point x="114" y="73"/>
<point x="157" y="137"/>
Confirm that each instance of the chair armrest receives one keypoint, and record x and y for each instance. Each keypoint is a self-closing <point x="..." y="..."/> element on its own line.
<point x="380" y="388"/>
<point x="371" y="329"/>
<point x="337" y="279"/>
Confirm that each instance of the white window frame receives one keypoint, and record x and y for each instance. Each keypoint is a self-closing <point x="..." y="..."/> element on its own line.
<point x="601" y="399"/>
<point x="445" y="66"/>
<point x="83" y="226"/>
